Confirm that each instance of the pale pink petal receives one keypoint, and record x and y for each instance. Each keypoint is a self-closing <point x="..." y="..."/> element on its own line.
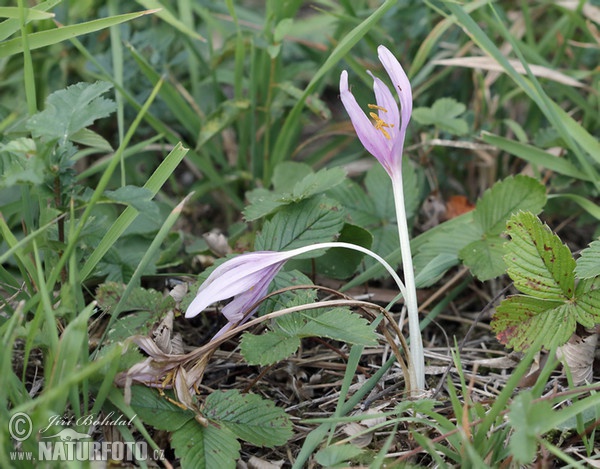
<point x="400" y="82"/>
<point x="371" y="138"/>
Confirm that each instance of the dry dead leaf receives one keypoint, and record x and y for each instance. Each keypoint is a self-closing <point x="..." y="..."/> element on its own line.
<point x="364" y="437"/>
<point x="578" y="354"/>
<point x="487" y="63"/>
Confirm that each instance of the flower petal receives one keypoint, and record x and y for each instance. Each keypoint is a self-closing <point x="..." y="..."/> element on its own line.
<point x="234" y="277"/>
<point x="400" y="82"/>
<point x="386" y="100"/>
<point x="372" y="139"/>
<point x="234" y="310"/>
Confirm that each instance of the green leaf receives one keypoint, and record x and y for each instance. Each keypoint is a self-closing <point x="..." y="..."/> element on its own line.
<point x="317" y="182"/>
<point x="448" y="239"/>
<point x="340" y="324"/>
<point x="542" y="268"/>
<point x="89" y="138"/>
<point x="70" y="110"/>
<point x="268" y="348"/>
<point x="249" y="417"/>
<point x="505" y="198"/>
<point x="520" y="319"/>
<point x="19" y="164"/>
<point x="205" y="447"/>
<point x="379" y="187"/>
<point x="139" y="198"/>
<point x="443" y="114"/>
<point x="262" y="202"/>
<point x="302" y="181"/>
<point x="484" y="257"/>
<point x="359" y="206"/>
<point x="311" y="221"/>
<point x="588" y="265"/>
<point x="341" y="263"/>
<point x="157" y="411"/>
<point x="288" y="174"/>
<point x="527" y="419"/>
<point x="538" y="262"/>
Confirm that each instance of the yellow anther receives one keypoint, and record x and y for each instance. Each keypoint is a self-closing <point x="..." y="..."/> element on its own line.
<point x="379" y="108"/>
<point x="380" y="124"/>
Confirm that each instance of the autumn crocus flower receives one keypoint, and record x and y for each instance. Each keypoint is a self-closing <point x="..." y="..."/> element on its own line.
<point x="246" y="279"/>
<point x="383" y="136"/>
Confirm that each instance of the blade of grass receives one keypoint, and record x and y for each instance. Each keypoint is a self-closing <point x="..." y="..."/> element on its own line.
<point x="54" y="36"/>
<point x="12" y="25"/>
<point x="154" y="183"/>
<point x="149" y="255"/>
<point x="28" y="74"/>
<point x="168" y="17"/>
<point x="536" y="156"/>
<point x="117" y="62"/>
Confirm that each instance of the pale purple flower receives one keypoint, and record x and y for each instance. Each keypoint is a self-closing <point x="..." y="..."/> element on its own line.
<point x="246" y="279"/>
<point x="382" y="135"/>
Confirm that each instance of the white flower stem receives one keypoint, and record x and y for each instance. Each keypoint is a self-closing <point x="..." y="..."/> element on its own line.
<point x="368" y="252"/>
<point x="417" y="362"/>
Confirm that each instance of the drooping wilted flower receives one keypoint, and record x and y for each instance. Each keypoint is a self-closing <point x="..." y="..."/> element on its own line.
<point x="383" y="136"/>
<point x="246" y="279"/>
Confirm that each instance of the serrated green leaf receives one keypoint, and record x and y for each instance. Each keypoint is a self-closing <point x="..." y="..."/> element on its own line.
<point x="268" y="348"/>
<point x="262" y="202"/>
<point x="359" y="206"/>
<point x="484" y="257"/>
<point x="340" y="324"/>
<point x="588" y="264"/>
<point x="70" y="110"/>
<point x="520" y="319"/>
<point x="139" y="198"/>
<point x="336" y="454"/>
<point x="250" y="417"/>
<point x="288" y="174"/>
<point x="505" y="198"/>
<point x="311" y="221"/>
<point x="318" y="182"/>
<point x="157" y="411"/>
<point x="538" y="262"/>
<point x="205" y="447"/>
<point x="443" y="114"/>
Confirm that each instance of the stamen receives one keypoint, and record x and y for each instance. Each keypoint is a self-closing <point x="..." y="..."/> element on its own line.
<point x="380" y="124"/>
<point x="379" y="108"/>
